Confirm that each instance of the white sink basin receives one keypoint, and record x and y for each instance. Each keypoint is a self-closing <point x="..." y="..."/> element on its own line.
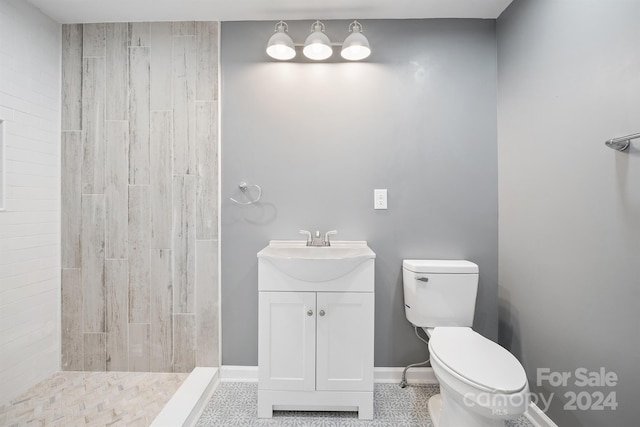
<point x="316" y="264"/>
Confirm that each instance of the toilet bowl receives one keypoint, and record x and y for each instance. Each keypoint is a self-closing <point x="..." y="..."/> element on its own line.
<point x="481" y="383"/>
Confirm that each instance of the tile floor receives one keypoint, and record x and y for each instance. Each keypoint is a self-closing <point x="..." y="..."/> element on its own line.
<point x="92" y="399"/>
<point x="235" y="404"/>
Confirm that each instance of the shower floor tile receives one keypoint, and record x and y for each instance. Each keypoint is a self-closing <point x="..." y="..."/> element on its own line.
<point x="235" y="404"/>
<point x="93" y="399"/>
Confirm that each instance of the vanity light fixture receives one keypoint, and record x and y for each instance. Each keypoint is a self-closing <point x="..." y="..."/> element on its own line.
<point x="280" y="44"/>
<point x="317" y="46"/>
<point x="356" y="45"/>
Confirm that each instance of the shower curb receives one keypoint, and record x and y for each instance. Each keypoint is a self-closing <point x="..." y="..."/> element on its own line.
<point x="186" y="405"/>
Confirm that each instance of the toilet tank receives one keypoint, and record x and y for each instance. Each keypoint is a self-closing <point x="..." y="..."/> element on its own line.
<point x="439" y="292"/>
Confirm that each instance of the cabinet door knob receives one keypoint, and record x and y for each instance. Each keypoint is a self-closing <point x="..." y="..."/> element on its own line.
<point x="310" y="313"/>
<point x="321" y="313"/>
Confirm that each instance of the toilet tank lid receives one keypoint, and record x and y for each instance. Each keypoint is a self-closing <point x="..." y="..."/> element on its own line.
<point x="440" y="266"/>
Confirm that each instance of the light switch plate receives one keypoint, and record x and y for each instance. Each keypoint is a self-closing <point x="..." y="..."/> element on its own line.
<point x="380" y="198"/>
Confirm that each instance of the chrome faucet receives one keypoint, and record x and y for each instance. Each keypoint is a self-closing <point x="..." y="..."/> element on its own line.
<point x="317" y="240"/>
<point x="327" y="242"/>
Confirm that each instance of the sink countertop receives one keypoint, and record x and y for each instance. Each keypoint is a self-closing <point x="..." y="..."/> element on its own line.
<point x="298" y="249"/>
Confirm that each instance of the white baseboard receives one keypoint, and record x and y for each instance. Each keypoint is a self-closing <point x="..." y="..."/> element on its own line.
<point x="414" y="375"/>
<point x="186" y="405"/>
<point x="230" y="373"/>
<point x="538" y="418"/>
<point x="238" y="374"/>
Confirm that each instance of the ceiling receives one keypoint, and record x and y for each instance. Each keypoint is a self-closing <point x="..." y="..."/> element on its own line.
<point x="80" y="11"/>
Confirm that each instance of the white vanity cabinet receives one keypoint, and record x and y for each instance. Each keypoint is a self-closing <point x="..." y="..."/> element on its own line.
<point x="316" y="339"/>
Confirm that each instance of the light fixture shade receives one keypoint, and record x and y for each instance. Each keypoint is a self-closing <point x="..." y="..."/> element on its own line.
<point x="317" y="46"/>
<point x="280" y="45"/>
<point x="355" y="46"/>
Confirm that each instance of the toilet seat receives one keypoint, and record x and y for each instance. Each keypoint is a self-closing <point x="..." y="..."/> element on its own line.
<point x="476" y="360"/>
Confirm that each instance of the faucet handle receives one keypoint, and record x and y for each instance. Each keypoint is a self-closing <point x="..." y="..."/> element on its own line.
<point x="327" y="234"/>
<point x="308" y="234"/>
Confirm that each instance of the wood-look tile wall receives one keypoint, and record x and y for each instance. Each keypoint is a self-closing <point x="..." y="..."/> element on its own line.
<point x="139" y="196"/>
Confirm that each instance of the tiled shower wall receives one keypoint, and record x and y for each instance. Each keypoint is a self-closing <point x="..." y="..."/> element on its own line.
<point x="139" y="196"/>
<point x="30" y="223"/>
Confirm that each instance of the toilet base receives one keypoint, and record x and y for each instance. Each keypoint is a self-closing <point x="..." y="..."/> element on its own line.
<point x="449" y="413"/>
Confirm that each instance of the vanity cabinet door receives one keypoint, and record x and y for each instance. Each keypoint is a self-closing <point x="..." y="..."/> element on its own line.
<point x="287" y="340"/>
<point x="345" y="329"/>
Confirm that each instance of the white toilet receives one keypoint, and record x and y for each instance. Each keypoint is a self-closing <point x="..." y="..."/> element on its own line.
<point x="481" y="383"/>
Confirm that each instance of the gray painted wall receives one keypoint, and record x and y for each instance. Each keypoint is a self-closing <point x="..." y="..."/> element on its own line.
<point x="569" y="78"/>
<point x="418" y="118"/>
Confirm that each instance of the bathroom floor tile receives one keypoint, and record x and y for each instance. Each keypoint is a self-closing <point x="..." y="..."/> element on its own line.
<point x="235" y="404"/>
